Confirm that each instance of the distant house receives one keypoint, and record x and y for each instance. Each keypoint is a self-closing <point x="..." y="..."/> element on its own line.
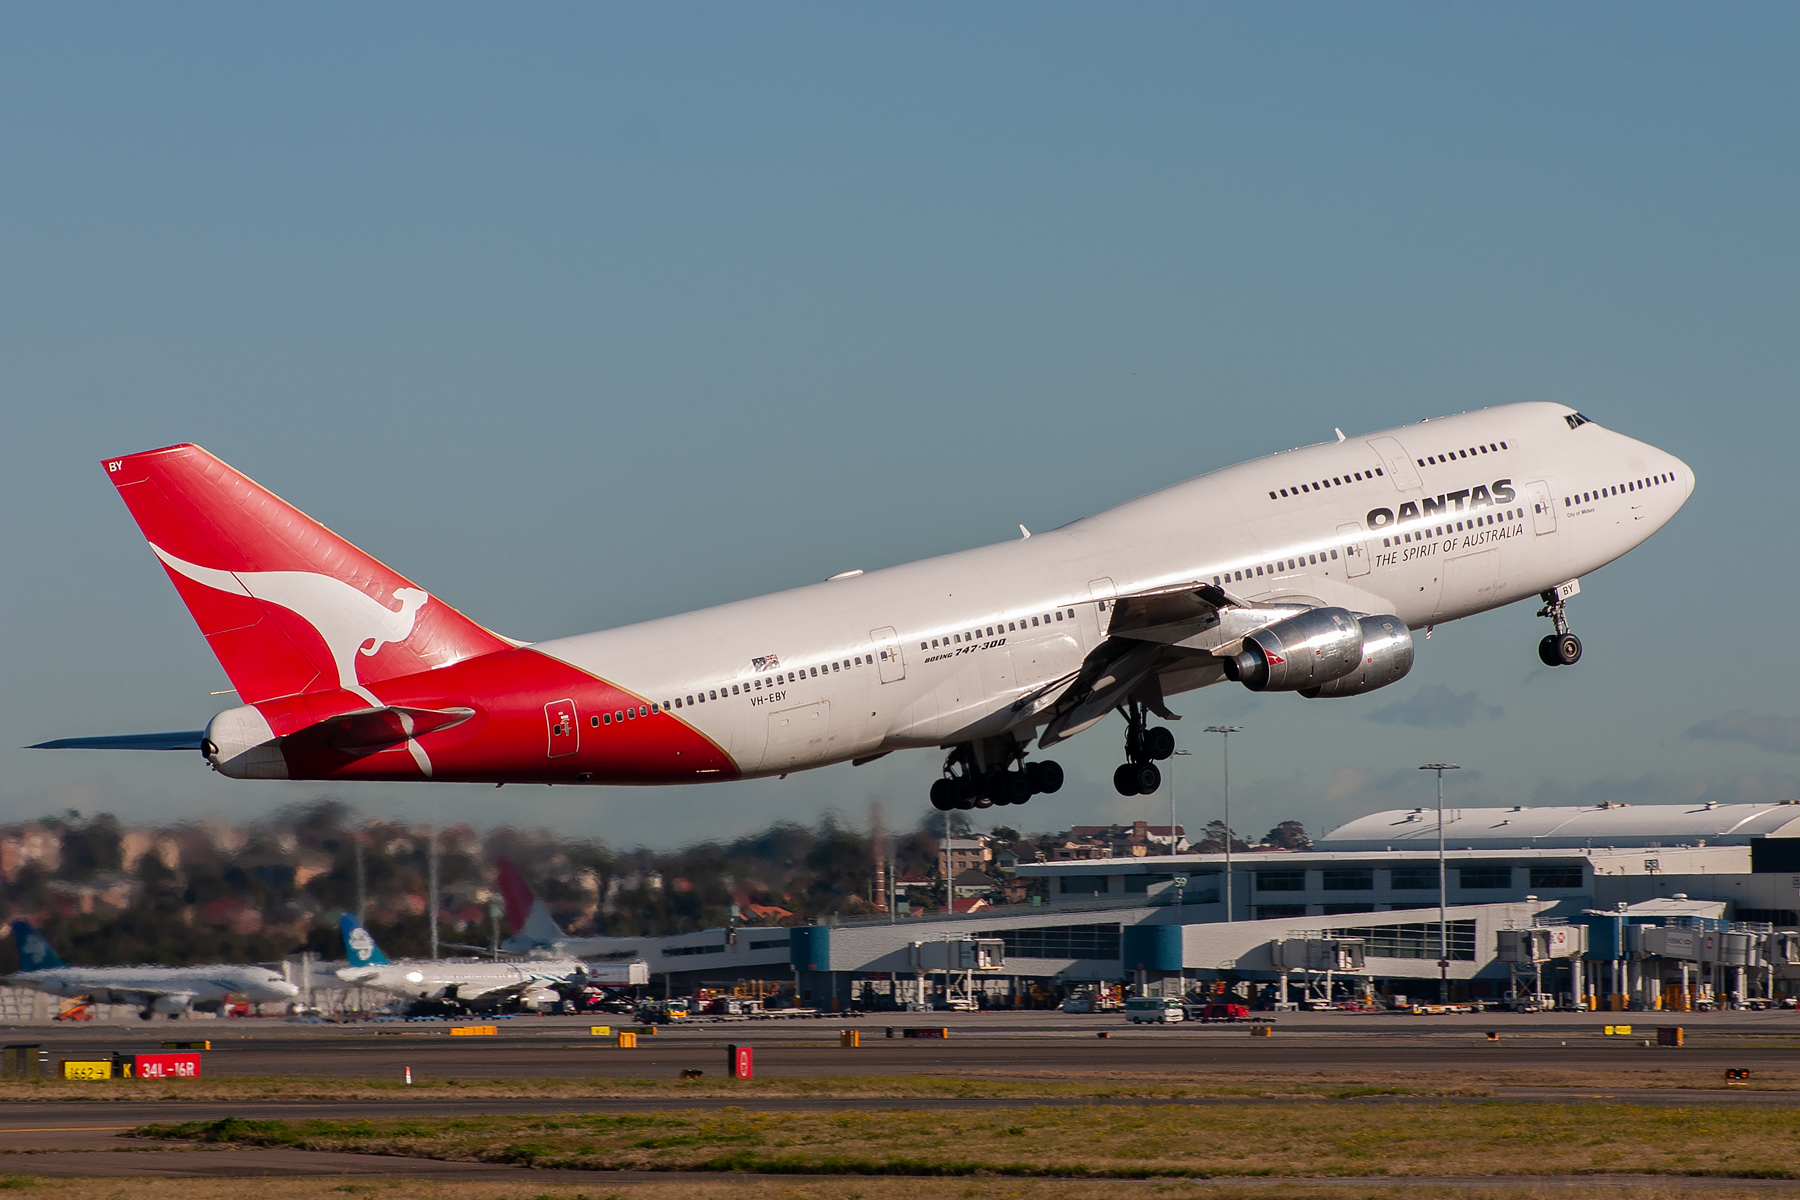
<point x="967" y="854"/>
<point x="1136" y="840"/>
<point x="972" y="883"/>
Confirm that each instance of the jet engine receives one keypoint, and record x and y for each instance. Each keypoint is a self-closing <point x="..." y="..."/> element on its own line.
<point x="1387" y="655"/>
<point x="172" y="1004"/>
<point x="1303" y="651"/>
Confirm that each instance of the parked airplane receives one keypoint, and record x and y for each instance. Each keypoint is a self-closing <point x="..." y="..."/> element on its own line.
<point x="1304" y="571"/>
<point x="171" y="991"/>
<point x="456" y="980"/>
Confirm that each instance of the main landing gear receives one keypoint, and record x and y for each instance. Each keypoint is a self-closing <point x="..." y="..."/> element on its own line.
<point x="1562" y="648"/>
<point x="992" y="772"/>
<point x="1144" y="748"/>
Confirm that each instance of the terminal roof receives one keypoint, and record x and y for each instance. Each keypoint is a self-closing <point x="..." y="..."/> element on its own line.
<point x="1552" y="828"/>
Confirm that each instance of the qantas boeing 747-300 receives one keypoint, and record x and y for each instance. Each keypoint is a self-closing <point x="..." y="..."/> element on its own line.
<point x="1305" y="571"/>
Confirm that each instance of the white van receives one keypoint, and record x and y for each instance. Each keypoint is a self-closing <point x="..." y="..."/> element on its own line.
<point x="1162" y="1010"/>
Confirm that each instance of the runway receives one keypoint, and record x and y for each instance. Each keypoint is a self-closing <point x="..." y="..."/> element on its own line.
<point x="1537" y="1057"/>
<point x="984" y="1044"/>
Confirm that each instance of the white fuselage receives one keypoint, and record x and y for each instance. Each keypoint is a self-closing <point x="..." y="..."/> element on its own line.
<point x="438" y="979"/>
<point x="145" y="985"/>
<point x="1431" y="522"/>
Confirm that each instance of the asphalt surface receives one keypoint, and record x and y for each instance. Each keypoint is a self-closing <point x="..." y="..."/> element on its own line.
<point x="74" y="1137"/>
<point x="978" y="1044"/>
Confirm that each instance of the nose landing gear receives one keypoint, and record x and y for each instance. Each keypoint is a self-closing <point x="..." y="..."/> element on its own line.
<point x="1144" y="748"/>
<point x="1001" y="776"/>
<point x="1562" y="648"/>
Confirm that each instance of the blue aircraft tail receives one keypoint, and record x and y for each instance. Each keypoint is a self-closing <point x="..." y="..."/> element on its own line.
<point x="359" y="947"/>
<point x="35" y="953"/>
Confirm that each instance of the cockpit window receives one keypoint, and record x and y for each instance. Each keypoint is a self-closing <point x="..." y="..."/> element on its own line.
<point x="1576" y="420"/>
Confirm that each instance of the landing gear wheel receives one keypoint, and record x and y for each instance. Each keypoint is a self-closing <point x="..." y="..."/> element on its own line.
<point x="1046" y="777"/>
<point x="1568" y="650"/>
<point x="943" y="794"/>
<point x="985" y="802"/>
<point x="1146" y="777"/>
<point x="1014" y="788"/>
<point x="1562" y="648"/>
<point x="1547" y="651"/>
<point x="1159" y="743"/>
<point x="1125" y="779"/>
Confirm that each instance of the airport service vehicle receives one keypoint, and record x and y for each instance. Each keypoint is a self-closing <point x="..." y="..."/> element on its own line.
<point x="1159" y="1010"/>
<point x="1305" y="571"/>
<point x="461" y="982"/>
<point x="1214" y="1012"/>
<point x="171" y="991"/>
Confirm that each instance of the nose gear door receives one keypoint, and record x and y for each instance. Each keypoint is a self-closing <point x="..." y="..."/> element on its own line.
<point x="565" y="735"/>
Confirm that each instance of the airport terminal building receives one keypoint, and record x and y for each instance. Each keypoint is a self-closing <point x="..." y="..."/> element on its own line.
<point x="1609" y="906"/>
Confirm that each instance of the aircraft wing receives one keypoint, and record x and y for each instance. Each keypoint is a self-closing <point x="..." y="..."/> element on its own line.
<point x="186" y="739"/>
<point x="1148" y="632"/>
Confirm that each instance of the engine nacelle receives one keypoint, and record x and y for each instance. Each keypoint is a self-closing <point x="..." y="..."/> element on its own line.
<point x="1387" y="655"/>
<point x="1303" y="651"/>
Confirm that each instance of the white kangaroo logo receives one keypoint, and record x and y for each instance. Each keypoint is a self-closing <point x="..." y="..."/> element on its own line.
<point x="346" y="617"/>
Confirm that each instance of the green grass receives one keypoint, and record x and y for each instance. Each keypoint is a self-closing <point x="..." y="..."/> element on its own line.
<point x="1092" y="1142"/>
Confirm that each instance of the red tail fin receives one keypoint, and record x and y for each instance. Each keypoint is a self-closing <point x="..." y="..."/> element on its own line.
<point x="516" y="892"/>
<point x="288" y="606"/>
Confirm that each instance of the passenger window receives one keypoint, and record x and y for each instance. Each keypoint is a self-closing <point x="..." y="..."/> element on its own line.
<point x="609" y="718"/>
<point x="1379" y="471"/>
<point x="1034" y="620"/>
<point x="712" y="695"/>
<point x="678" y="702"/>
<point x="734" y="689"/>
<point x="1334" y="554"/>
<point x="1059" y="614"/>
<point x="790" y="677"/>
<point x="594" y="721"/>
<point x="1284" y="491"/>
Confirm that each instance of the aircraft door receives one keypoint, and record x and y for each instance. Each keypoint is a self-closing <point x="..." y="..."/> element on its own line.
<point x="1356" y="554"/>
<point x="564" y="729"/>
<point x="887" y="650"/>
<point x="1102" y="591"/>
<point x="1397" y="463"/>
<point x="1543" y="510"/>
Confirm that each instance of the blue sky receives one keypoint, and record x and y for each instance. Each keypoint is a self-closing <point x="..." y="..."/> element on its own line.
<point x="582" y="314"/>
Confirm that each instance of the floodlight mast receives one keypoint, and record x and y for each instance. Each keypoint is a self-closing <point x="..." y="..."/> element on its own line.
<point x="1225" y="732"/>
<point x="1443" y="889"/>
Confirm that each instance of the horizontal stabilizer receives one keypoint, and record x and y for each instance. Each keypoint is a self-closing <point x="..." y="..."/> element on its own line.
<point x="185" y="739"/>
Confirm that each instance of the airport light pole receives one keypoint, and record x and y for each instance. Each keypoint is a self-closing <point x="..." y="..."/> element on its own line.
<point x="431" y="852"/>
<point x="1225" y="732"/>
<point x="1183" y="754"/>
<point x="1443" y="887"/>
